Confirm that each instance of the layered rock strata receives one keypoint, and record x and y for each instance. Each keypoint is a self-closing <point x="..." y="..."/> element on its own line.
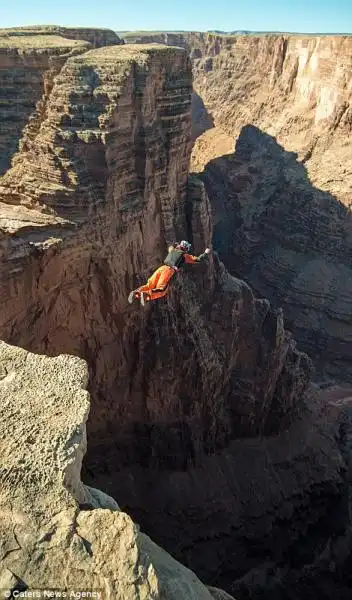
<point x="29" y="61"/>
<point x="290" y="240"/>
<point x="295" y="249"/>
<point x="96" y="36"/>
<point x="201" y="423"/>
<point x="296" y="88"/>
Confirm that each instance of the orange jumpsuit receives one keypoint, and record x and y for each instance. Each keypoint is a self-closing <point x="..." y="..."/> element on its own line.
<point x="157" y="284"/>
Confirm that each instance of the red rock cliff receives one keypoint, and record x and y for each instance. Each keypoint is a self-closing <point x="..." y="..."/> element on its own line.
<point x="29" y="60"/>
<point x="199" y="402"/>
<point x="295" y="249"/>
<point x="290" y="240"/>
<point x="110" y="179"/>
<point x="281" y="215"/>
<point x="96" y="36"/>
<point x="296" y="88"/>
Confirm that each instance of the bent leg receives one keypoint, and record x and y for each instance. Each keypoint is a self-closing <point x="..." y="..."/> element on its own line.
<point x="156" y="287"/>
<point x="161" y="281"/>
<point x="152" y="281"/>
<point x="164" y="275"/>
<point x="146" y="289"/>
<point x="155" y="295"/>
<point x="136" y="294"/>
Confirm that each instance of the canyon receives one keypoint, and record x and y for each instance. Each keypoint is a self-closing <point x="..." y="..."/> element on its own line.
<point x="293" y="166"/>
<point x="204" y="423"/>
<point x="289" y="183"/>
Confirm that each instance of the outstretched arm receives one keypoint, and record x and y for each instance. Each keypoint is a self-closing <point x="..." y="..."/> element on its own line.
<point x="190" y="259"/>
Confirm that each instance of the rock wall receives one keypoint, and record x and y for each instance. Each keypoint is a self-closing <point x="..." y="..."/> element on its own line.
<point x="118" y="173"/>
<point x="202" y="422"/>
<point x="96" y="36"/>
<point x="29" y="61"/>
<point x="296" y="88"/>
<point x="305" y="264"/>
<point x="25" y="76"/>
<point x="282" y="213"/>
<point x="48" y="517"/>
<point x="166" y="38"/>
<point x="132" y="172"/>
<point x="198" y="44"/>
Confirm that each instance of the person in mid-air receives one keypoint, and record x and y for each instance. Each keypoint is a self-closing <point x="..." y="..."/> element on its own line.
<point x="157" y="285"/>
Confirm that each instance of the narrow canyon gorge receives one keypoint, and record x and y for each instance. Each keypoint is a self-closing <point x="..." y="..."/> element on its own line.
<point x="277" y="164"/>
<point x="210" y="422"/>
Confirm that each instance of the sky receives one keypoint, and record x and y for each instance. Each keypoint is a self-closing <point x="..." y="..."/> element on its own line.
<point x="306" y="16"/>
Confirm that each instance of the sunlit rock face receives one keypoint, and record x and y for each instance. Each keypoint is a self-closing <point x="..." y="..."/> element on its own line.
<point x="203" y="425"/>
<point x="281" y="202"/>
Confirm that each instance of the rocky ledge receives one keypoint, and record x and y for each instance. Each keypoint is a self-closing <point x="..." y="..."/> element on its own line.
<point x="48" y="518"/>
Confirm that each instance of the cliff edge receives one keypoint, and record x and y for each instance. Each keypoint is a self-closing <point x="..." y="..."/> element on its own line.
<point x="49" y="519"/>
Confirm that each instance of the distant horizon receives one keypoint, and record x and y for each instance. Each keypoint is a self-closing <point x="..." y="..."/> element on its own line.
<point x="316" y="17"/>
<point x="175" y="31"/>
<point x="229" y="32"/>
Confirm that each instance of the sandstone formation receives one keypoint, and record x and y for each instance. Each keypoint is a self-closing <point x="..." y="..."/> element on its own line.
<point x="193" y="42"/>
<point x="290" y="240"/>
<point x="29" y="61"/>
<point x="201" y="119"/>
<point x="296" y="248"/>
<point x="203" y="424"/>
<point x="298" y="90"/>
<point x="198" y="45"/>
<point x="26" y="70"/>
<point x="166" y="38"/>
<point x="48" y="518"/>
<point x="96" y="36"/>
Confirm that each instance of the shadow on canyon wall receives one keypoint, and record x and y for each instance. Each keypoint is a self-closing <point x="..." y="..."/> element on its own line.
<point x="290" y="241"/>
<point x="201" y="119"/>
